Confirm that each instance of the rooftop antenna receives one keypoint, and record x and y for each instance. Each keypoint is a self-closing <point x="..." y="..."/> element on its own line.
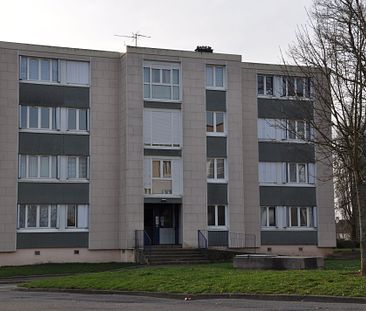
<point x="135" y="36"/>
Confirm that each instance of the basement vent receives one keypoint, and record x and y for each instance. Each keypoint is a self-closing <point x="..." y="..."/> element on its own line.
<point x="203" y="49"/>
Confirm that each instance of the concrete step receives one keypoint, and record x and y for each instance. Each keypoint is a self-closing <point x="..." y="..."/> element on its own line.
<point x="175" y="256"/>
<point x="176" y="262"/>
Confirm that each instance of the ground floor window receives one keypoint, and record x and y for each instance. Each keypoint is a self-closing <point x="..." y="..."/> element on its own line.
<point x="300" y="217"/>
<point x="268" y="216"/>
<point x="52" y="216"/>
<point x="217" y="216"/>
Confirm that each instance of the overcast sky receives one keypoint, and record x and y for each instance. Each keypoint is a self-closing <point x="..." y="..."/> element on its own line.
<point x="255" y="29"/>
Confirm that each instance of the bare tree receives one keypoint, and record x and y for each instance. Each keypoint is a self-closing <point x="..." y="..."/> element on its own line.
<point x="331" y="50"/>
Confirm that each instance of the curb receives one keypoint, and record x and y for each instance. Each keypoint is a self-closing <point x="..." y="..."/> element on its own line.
<point x="178" y="296"/>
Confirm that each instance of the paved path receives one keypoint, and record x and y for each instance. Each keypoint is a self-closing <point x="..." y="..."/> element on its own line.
<point x="11" y="300"/>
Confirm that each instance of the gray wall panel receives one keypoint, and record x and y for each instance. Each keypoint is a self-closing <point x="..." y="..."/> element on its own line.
<point x="218" y="238"/>
<point x="53" y="95"/>
<point x="52" y="240"/>
<point x="53" y="193"/>
<point x="286" y="152"/>
<point x="161" y="105"/>
<point x="216" y="147"/>
<point x="163" y="152"/>
<point x="216" y="193"/>
<point x="289" y="237"/>
<point x="53" y="144"/>
<point x="285" y="109"/>
<point x="215" y="100"/>
<point x="162" y="200"/>
<point x="288" y="196"/>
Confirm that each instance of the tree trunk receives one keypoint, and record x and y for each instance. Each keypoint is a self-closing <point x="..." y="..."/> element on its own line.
<point x="361" y="198"/>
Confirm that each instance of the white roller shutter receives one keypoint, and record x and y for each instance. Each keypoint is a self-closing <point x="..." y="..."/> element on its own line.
<point x="147" y="127"/>
<point x="176" y="128"/>
<point x="77" y="72"/>
<point x="83" y="216"/>
<point x="161" y="128"/>
<point x="312" y="173"/>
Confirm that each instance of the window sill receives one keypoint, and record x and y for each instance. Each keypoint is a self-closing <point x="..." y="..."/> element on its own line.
<point x="52" y="180"/>
<point x="162" y="195"/>
<point x="163" y="147"/>
<point x="54" y="132"/>
<point x="216" y="134"/>
<point x="49" y="230"/>
<point x="286" y="229"/>
<point x="157" y="100"/>
<point x="217" y="228"/>
<point x="52" y="83"/>
<point x="284" y="141"/>
<point x="217" y="181"/>
<point x="287" y="185"/>
<point x="215" y="88"/>
<point x="285" y="97"/>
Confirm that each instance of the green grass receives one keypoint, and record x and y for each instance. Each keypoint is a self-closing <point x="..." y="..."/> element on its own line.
<point x="48" y="269"/>
<point x="340" y="278"/>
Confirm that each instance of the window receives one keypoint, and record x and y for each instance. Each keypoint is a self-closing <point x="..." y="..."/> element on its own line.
<point x="38" y="69"/>
<point x="161" y="177"/>
<point x="265" y="85"/>
<point x="215" y="76"/>
<point x="37" y="216"/>
<point x="217" y="216"/>
<point x="295" y="86"/>
<point x="77" y="119"/>
<point x="76" y="72"/>
<point x="37" y="167"/>
<point x="299" y="130"/>
<point x="77" y="167"/>
<point x="300" y="217"/>
<point x="76" y="216"/>
<point x="216" y="169"/>
<point x="215" y="122"/>
<point x="162" y="128"/>
<point x="40" y="118"/>
<point x="268" y="217"/>
<point x="162" y="81"/>
<point x="297" y="173"/>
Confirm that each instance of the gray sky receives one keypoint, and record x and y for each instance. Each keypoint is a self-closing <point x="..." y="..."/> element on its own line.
<point x="256" y="29"/>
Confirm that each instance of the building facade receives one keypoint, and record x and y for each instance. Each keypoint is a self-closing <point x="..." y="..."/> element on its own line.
<point x="101" y="148"/>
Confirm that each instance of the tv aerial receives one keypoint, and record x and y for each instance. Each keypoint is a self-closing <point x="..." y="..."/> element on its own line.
<point x="135" y="36"/>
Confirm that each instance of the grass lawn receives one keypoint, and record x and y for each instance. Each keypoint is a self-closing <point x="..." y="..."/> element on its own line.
<point x="48" y="269"/>
<point x="340" y="278"/>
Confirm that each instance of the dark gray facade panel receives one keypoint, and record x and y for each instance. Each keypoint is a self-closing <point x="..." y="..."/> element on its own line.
<point x="287" y="196"/>
<point x="216" y="147"/>
<point x="53" y="95"/>
<point x="53" y="144"/>
<point x="286" y="152"/>
<point x="216" y="193"/>
<point x="161" y="105"/>
<point x="163" y="152"/>
<point x="218" y="238"/>
<point x="215" y="100"/>
<point x="289" y="237"/>
<point x="53" y="193"/>
<point x="285" y="109"/>
<point x="52" y="240"/>
<point x="162" y="200"/>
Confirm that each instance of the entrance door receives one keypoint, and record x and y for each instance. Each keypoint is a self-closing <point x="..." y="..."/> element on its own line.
<point x="161" y="223"/>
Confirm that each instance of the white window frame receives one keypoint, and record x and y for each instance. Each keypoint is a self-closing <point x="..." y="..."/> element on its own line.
<point x="216" y="226"/>
<point x="77" y="168"/>
<point x="297" y="165"/>
<point x="161" y="67"/>
<point x="38" y="217"/>
<point x="77" y="117"/>
<point x="214" y="86"/>
<point x="265" y="76"/>
<point x="27" y="167"/>
<point x="39" y="59"/>
<point x="215" y="179"/>
<point x="285" y="85"/>
<point x="310" y="219"/>
<point x="214" y="132"/>
<point x="267" y="208"/>
<point x="161" y="178"/>
<point x="51" y="128"/>
<point x="296" y="132"/>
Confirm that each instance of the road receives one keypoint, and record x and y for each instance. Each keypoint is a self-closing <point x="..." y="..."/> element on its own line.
<point x="12" y="300"/>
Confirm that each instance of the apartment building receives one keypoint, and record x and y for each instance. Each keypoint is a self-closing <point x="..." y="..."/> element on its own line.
<point x="100" y="149"/>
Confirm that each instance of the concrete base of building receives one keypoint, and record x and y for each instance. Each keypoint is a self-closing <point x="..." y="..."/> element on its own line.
<point x="295" y="250"/>
<point x="64" y="255"/>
